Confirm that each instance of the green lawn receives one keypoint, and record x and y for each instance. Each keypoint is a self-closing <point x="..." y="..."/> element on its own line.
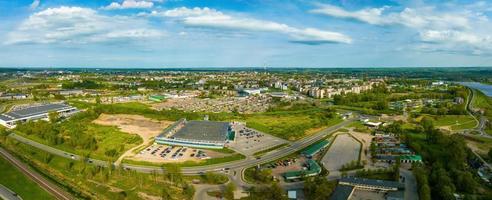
<point x="456" y="122"/>
<point x="262" y="152"/>
<point x="107" y="137"/>
<point x="359" y="127"/>
<point x="288" y="126"/>
<point x="19" y="183"/>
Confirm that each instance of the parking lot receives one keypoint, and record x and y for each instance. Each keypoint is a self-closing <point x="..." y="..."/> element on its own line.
<point x="343" y="150"/>
<point x="249" y="141"/>
<point x="289" y="164"/>
<point x="163" y="153"/>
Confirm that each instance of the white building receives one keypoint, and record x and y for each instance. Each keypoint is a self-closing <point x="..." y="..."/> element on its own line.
<point x="40" y="112"/>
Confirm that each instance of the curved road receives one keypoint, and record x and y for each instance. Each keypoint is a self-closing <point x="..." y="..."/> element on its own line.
<point x="248" y="162"/>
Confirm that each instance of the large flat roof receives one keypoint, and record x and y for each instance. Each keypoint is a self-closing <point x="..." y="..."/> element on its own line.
<point x="32" y="111"/>
<point x="342" y="192"/>
<point x="203" y="130"/>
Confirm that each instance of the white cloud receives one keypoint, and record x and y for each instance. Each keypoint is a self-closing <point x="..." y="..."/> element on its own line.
<point x="369" y="15"/>
<point x="453" y="28"/>
<point x="34" y="4"/>
<point x="79" y="25"/>
<point x="129" y="4"/>
<point x="211" y="18"/>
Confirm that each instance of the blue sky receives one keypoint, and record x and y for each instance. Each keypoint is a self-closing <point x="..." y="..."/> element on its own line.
<point x="245" y="33"/>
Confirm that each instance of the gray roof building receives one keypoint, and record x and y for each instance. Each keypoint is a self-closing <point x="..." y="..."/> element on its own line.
<point x="203" y="130"/>
<point x="34" y="112"/>
<point x="373" y="184"/>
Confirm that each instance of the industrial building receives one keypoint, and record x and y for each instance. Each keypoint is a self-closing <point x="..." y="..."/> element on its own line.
<point x="313" y="149"/>
<point x="313" y="169"/>
<point x="200" y="134"/>
<point x="39" y="112"/>
<point x="347" y="185"/>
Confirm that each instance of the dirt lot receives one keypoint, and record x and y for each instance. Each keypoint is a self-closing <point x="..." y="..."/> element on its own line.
<point x="134" y="124"/>
<point x="343" y="150"/>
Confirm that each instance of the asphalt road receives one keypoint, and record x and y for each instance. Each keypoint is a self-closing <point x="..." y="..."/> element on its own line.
<point x="295" y="146"/>
<point x="248" y="162"/>
<point x="7" y="194"/>
<point x="53" y="189"/>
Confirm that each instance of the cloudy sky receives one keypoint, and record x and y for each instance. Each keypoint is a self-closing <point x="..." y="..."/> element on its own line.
<point x="245" y="33"/>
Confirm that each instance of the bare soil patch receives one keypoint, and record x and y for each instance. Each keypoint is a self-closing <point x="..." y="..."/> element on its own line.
<point x="134" y="124"/>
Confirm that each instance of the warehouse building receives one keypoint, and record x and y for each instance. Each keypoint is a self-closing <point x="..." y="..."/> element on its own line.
<point x="348" y="185"/>
<point x="313" y="169"/>
<point x="315" y="148"/>
<point x="200" y="134"/>
<point x="39" y="112"/>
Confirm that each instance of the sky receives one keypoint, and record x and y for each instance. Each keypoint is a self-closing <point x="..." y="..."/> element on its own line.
<point x="245" y="33"/>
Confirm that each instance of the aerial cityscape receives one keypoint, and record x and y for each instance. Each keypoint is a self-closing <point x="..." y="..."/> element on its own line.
<point x="245" y="100"/>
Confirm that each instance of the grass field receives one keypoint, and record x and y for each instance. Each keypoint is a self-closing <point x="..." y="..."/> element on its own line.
<point x="455" y="122"/>
<point x="19" y="183"/>
<point x="290" y="127"/>
<point x="482" y="101"/>
<point x="107" y="137"/>
<point x="90" y="182"/>
<point x="359" y="127"/>
<point x="262" y="152"/>
<point x="287" y="124"/>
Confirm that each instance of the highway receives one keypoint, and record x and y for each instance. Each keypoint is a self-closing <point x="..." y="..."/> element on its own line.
<point x="235" y="168"/>
<point x="248" y="162"/>
<point x="53" y="189"/>
<point x="251" y="161"/>
<point x="7" y="194"/>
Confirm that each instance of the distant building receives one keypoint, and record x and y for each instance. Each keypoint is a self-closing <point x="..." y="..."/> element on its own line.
<point x="40" y="112"/>
<point x="12" y="96"/>
<point x="157" y="98"/>
<point x="70" y="92"/>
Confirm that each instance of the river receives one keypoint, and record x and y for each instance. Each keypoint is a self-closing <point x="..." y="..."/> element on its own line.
<point x="485" y="88"/>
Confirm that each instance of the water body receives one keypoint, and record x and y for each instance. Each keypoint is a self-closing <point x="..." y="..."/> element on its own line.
<point x="486" y="89"/>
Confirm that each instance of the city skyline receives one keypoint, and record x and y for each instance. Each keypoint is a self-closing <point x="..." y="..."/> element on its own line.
<point x="158" y="33"/>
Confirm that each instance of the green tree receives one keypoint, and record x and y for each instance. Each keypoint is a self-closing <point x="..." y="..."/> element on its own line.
<point x="490" y="154"/>
<point x="229" y="191"/>
<point x="53" y="117"/>
<point x="318" y="188"/>
<point x="166" y="194"/>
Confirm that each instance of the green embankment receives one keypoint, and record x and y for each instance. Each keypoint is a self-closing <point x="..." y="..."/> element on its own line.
<point x="13" y="179"/>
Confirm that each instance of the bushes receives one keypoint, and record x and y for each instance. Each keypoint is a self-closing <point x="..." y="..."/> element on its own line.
<point x="354" y="164"/>
<point x="390" y="174"/>
<point x="214" y="178"/>
<point x="256" y="175"/>
<point x="318" y="188"/>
